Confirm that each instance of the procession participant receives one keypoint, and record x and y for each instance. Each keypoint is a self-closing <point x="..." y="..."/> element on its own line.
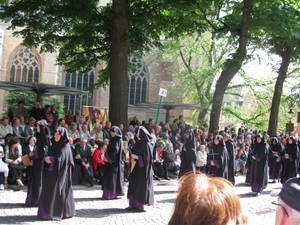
<point x="188" y="154"/>
<point x="289" y="160"/>
<point x="217" y="158"/>
<point x="35" y="182"/>
<point x="113" y="180"/>
<point x="230" y="150"/>
<point x="259" y="166"/>
<point x="275" y="159"/>
<point x="57" y="200"/>
<point x="140" y="189"/>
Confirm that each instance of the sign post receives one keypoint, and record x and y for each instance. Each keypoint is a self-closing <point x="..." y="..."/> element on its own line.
<point x="162" y="93"/>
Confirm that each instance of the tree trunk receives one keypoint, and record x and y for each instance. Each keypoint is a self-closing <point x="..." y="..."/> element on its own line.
<point x="286" y="59"/>
<point x="231" y="67"/>
<point x="118" y="93"/>
<point x="202" y="115"/>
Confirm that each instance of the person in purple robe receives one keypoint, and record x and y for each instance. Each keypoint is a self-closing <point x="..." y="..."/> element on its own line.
<point x="217" y="158"/>
<point x="140" y="189"/>
<point x="57" y="200"/>
<point x="188" y="154"/>
<point x="35" y="180"/>
<point x="289" y="160"/>
<point x="275" y="149"/>
<point x="113" y="178"/>
<point x="259" y="167"/>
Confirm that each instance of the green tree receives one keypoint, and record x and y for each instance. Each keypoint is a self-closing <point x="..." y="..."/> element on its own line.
<point x="277" y="28"/>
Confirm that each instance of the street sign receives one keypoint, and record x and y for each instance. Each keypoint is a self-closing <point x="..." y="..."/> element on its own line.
<point x="162" y="92"/>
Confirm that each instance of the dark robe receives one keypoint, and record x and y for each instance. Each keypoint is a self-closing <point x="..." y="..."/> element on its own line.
<point x="57" y="200"/>
<point x="275" y="161"/>
<point x="113" y="179"/>
<point x="259" y="166"/>
<point x="248" y="164"/>
<point x="230" y="151"/>
<point x="218" y="154"/>
<point x="35" y="181"/>
<point x="289" y="166"/>
<point x="188" y="155"/>
<point x="140" y="189"/>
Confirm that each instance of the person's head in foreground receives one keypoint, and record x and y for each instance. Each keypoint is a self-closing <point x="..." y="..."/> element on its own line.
<point x="205" y="200"/>
<point x="288" y="206"/>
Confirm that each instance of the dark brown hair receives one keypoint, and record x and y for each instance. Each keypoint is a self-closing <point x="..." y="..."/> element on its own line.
<point x="205" y="200"/>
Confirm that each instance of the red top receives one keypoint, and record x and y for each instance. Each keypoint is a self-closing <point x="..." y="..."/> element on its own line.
<point x="97" y="159"/>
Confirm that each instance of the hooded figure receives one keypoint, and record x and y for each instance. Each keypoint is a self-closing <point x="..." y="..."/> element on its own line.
<point x="57" y="200"/>
<point x="113" y="179"/>
<point x="259" y="167"/>
<point x="140" y="189"/>
<point x="289" y="160"/>
<point x="188" y="154"/>
<point x="230" y="150"/>
<point x="217" y="158"/>
<point x="35" y="181"/>
<point x="275" y="158"/>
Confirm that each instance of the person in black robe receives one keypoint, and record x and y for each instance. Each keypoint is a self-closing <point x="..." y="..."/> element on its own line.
<point x="259" y="166"/>
<point x="275" y="159"/>
<point x="188" y="154"/>
<point x="113" y="179"/>
<point x="57" y="200"/>
<point x="230" y="150"/>
<point x="289" y="160"/>
<point x="35" y="181"/>
<point x="217" y="158"/>
<point x="140" y="189"/>
<point x="249" y="161"/>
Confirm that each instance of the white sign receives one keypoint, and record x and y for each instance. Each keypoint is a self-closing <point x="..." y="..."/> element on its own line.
<point x="162" y="92"/>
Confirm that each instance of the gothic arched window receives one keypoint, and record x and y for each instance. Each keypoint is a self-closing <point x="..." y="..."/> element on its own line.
<point x="137" y="82"/>
<point x="25" y="66"/>
<point x="81" y="81"/>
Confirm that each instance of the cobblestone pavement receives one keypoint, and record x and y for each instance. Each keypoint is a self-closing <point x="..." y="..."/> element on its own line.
<point x="91" y="209"/>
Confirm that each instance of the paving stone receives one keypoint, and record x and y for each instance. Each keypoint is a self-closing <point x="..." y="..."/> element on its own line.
<point x="92" y="210"/>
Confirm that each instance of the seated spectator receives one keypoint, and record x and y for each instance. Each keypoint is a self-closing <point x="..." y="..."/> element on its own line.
<point x="3" y="171"/>
<point x="201" y="159"/>
<point x="18" y="131"/>
<point x="98" y="163"/>
<point x="13" y="159"/>
<point x="30" y="129"/>
<point x="69" y="118"/>
<point x="84" y="133"/>
<point x="288" y="210"/>
<point x="83" y="157"/>
<point x="168" y="163"/>
<point x="93" y="145"/>
<point x="126" y="160"/>
<point x="22" y="123"/>
<point x="241" y="157"/>
<point x="97" y="133"/>
<point x="73" y="132"/>
<point x="48" y="116"/>
<point x="5" y="128"/>
<point x="206" y="200"/>
<point x="77" y="175"/>
<point x="28" y="149"/>
<point x="158" y="160"/>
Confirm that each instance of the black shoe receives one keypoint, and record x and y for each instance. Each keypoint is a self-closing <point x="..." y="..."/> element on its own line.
<point x="135" y="209"/>
<point x="167" y="178"/>
<point x="156" y="178"/>
<point x="93" y="182"/>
